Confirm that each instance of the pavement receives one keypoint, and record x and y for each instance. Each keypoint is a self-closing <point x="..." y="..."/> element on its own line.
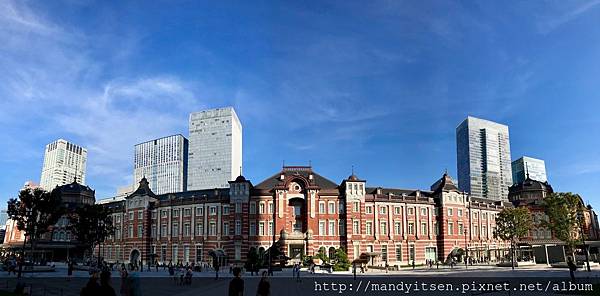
<point x="283" y="283"/>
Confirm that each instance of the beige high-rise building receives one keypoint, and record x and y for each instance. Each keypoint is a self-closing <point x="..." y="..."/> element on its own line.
<point x="63" y="163"/>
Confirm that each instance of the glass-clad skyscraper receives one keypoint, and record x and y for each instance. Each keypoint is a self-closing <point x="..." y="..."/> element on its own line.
<point x="536" y="168"/>
<point x="163" y="162"/>
<point x="483" y="158"/>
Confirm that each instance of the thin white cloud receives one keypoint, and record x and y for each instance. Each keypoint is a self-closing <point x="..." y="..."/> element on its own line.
<point x="549" y="23"/>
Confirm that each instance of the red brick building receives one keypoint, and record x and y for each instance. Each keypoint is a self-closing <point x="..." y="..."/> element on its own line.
<point x="304" y="212"/>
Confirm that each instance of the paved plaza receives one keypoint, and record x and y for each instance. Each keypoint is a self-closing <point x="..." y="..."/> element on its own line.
<point x="283" y="283"/>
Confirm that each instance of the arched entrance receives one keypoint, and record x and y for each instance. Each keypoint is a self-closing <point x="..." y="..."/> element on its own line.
<point x="134" y="257"/>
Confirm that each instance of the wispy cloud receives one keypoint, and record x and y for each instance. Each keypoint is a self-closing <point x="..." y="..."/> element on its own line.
<point x="549" y="23"/>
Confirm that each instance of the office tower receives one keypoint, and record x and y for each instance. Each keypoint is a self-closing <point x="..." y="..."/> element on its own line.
<point x="163" y="162"/>
<point x="63" y="162"/>
<point x="483" y="158"/>
<point x="536" y="168"/>
<point x="215" y="155"/>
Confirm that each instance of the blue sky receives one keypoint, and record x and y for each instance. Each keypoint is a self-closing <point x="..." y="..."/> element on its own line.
<point x="380" y="85"/>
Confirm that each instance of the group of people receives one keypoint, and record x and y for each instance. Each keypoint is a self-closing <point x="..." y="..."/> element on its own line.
<point x="104" y="288"/>
<point x="181" y="276"/>
<point x="236" y="285"/>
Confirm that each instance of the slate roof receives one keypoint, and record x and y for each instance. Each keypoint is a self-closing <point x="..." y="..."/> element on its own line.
<point x="318" y="180"/>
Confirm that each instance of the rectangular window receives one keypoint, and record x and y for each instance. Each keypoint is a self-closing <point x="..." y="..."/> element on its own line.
<point x="331" y="228"/>
<point x="153" y="234"/>
<point x="261" y="228"/>
<point x="411" y="228"/>
<point x="398" y="253"/>
<point x="212" y="230"/>
<point x="423" y="211"/>
<point x="225" y="210"/>
<point x="270" y="227"/>
<point x="174" y="255"/>
<point x="163" y="214"/>
<point x="423" y="228"/>
<point x="238" y="207"/>
<point x="397" y="210"/>
<point x="436" y="228"/>
<point x="460" y="229"/>
<point x="321" y="227"/>
<point x="225" y="228"/>
<point x="140" y="215"/>
<point x="449" y="212"/>
<point x="271" y="208"/>
<point x="384" y="253"/>
<point x="140" y="231"/>
<point x="187" y="212"/>
<point x="411" y="211"/>
<point x="199" y="256"/>
<point x="200" y="228"/>
<point x="175" y="213"/>
<point x="321" y="208"/>
<point x="382" y="210"/>
<point x="187" y="229"/>
<point x="459" y="212"/>
<point x="383" y="227"/>
<point x="252" y="229"/>
<point x="342" y="226"/>
<point x="238" y="227"/>
<point x="130" y="216"/>
<point x="450" y="228"/>
<point x="199" y="211"/>
<point x="355" y="227"/>
<point x="356" y="206"/>
<point x="261" y="208"/>
<point x="397" y="228"/>
<point x="130" y="231"/>
<point x="331" y="208"/>
<point x="186" y="254"/>
<point x="369" y="228"/>
<point x="153" y="214"/>
<point x="252" y="207"/>
<point x="369" y="210"/>
<point x="213" y="210"/>
<point x="163" y="230"/>
<point x="175" y="230"/>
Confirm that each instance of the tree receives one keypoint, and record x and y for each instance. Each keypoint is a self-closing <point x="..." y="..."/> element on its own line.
<point x="322" y="254"/>
<point x="341" y="262"/>
<point x="562" y="210"/>
<point x="34" y="211"/>
<point x="512" y="224"/>
<point x="91" y="225"/>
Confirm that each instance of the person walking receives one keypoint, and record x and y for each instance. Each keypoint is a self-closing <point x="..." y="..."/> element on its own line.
<point x="264" y="287"/>
<point x="69" y="270"/>
<point x="92" y="287"/>
<point x="105" y="288"/>
<point x="124" y="290"/>
<point x="572" y="268"/>
<point x="236" y="285"/>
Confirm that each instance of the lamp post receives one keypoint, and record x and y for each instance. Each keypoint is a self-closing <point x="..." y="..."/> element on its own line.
<point x="585" y="249"/>
<point x="466" y="249"/>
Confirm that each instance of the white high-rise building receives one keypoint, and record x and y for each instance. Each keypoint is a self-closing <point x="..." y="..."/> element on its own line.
<point x="215" y="155"/>
<point x="483" y="158"/>
<point x="163" y="162"/>
<point x="63" y="162"/>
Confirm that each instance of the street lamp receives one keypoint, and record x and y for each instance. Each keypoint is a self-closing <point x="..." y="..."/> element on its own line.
<point x="466" y="249"/>
<point x="585" y="249"/>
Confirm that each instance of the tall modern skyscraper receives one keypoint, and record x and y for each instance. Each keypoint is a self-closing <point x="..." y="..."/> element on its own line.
<point x="215" y="155"/>
<point x="163" y="162"/>
<point x="63" y="162"/>
<point x="483" y="158"/>
<point x="536" y="168"/>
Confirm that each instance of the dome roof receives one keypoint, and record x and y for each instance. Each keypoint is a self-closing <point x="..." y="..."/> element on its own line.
<point x="240" y="178"/>
<point x="530" y="185"/>
<point x="353" y="177"/>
